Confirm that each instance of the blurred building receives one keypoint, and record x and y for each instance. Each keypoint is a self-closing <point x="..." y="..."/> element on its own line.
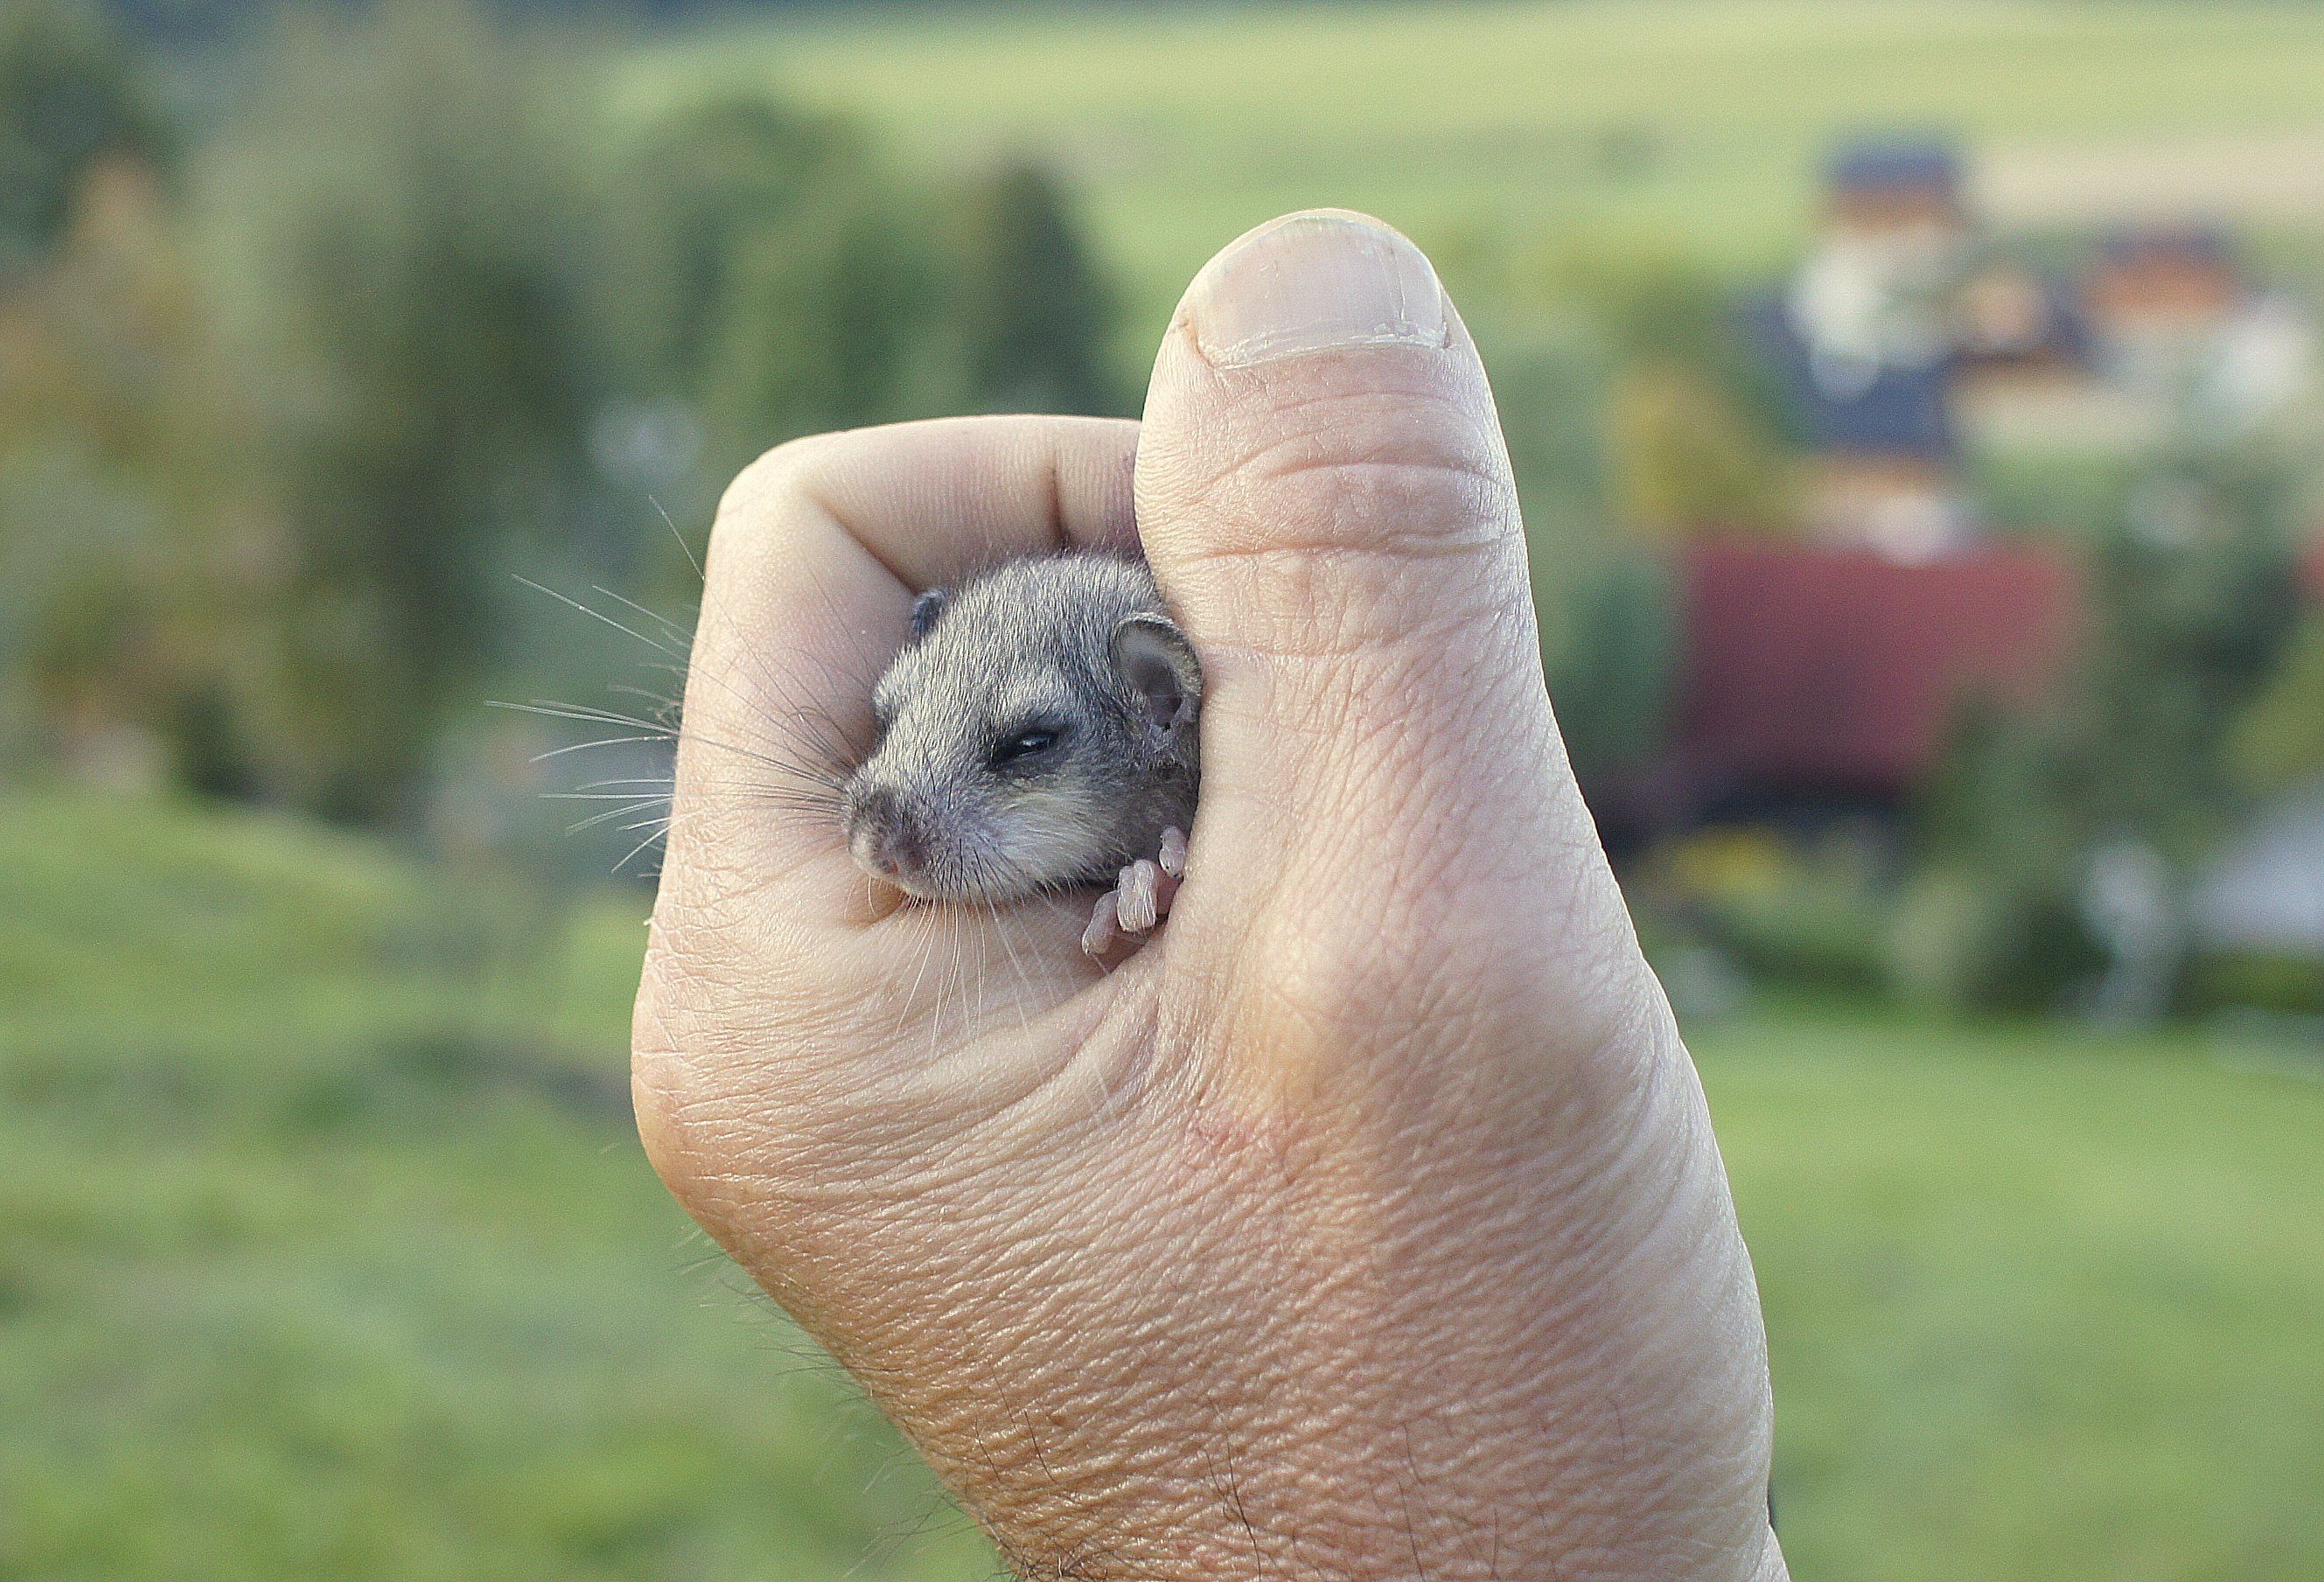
<point x="1832" y="675"/>
<point x="2265" y="893"/>
<point x="1863" y="338"/>
<point x="1910" y="340"/>
<point x="1910" y="346"/>
<point x="1883" y="460"/>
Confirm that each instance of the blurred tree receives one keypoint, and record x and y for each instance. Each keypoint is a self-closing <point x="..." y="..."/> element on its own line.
<point x="1550" y="379"/>
<point x="426" y="318"/>
<point x="1988" y="918"/>
<point x="1614" y="677"/>
<point x="71" y="94"/>
<point x="1030" y="303"/>
<point x="411" y="313"/>
<point x="2192" y="603"/>
<point x="2277" y="741"/>
<point x="134" y="546"/>
<point x="2195" y="601"/>
<point x="1691" y="436"/>
<point x="830" y="322"/>
<point x="1657" y="304"/>
<point x="770" y="275"/>
<point x="1609" y="629"/>
<point x="1685" y="458"/>
<point x="684" y="197"/>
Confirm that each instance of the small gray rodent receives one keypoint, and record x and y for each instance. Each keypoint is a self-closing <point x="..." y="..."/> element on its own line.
<point x="1036" y="733"/>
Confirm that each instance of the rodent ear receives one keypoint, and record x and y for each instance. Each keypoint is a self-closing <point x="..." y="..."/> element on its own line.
<point x="1157" y="668"/>
<point x="927" y="608"/>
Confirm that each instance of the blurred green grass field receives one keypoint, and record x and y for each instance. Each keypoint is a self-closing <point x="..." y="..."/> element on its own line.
<point x="322" y="1254"/>
<point x="1693" y="124"/>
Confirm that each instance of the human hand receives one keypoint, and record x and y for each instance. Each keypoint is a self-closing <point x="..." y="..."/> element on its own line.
<point x="1366" y="1222"/>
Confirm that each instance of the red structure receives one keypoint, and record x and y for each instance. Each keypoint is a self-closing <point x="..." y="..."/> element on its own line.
<point x="2311" y="569"/>
<point x="1817" y="672"/>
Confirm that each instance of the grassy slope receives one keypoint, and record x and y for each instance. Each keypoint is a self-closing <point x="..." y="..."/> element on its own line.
<point x="324" y="1254"/>
<point x="1188" y="125"/>
<point x="320" y="1255"/>
<point x="2042" y="1304"/>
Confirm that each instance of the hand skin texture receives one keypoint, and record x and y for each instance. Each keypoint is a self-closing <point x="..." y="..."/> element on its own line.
<point x="1367" y="1223"/>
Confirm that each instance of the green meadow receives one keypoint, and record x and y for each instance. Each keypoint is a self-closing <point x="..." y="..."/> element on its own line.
<point x="326" y="1252"/>
<point x="1697" y="125"/>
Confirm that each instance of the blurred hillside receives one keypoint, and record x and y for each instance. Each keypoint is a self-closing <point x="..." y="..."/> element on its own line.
<point x="1695" y="126"/>
<point x="326" y="1250"/>
<point x="326" y="1247"/>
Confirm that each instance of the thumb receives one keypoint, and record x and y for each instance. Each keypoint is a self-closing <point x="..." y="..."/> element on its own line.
<point x="1324" y="492"/>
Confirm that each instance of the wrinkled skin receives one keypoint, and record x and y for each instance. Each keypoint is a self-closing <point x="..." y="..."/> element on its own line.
<point x="1365" y="1224"/>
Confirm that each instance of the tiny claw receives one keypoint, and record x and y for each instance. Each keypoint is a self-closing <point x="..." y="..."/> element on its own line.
<point x="1174" y="852"/>
<point x="1100" y="935"/>
<point x="1140" y="902"/>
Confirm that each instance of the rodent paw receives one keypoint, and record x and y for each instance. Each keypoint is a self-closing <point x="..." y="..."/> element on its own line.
<point x="1140" y="899"/>
<point x="1104" y="929"/>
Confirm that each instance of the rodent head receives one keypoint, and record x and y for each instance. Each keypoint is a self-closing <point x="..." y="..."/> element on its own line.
<point x="1038" y="732"/>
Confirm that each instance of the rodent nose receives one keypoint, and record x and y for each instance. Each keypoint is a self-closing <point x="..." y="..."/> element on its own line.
<point x="888" y="840"/>
<point x="899" y="850"/>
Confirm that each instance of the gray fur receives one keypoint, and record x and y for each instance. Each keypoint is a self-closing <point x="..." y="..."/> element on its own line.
<point x="1029" y="645"/>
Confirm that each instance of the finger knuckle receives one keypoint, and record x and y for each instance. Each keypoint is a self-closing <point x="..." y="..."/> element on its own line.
<point x="1401" y="475"/>
<point x="744" y="511"/>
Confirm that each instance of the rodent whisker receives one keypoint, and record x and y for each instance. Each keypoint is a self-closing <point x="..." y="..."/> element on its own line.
<point x="624" y="859"/>
<point x="587" y="713"/>
<point x="829" y="778"/>
<point x="606" y="787"/>
<point x="1024" y="979"/>
<point x="832" y="745"/>
<point x="598" y="614"/>
<point x="926" y="939"/>
<point x="950" y="976"/>
<point x="803" y="751"/>
<point x="660" y="699"/>
<point x="629" y="805"/>
<point x="542" y="757"/>
<point x="681" y="634"/>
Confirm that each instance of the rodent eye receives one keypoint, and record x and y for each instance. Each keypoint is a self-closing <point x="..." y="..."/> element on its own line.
<point x="1024" y="744"/>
